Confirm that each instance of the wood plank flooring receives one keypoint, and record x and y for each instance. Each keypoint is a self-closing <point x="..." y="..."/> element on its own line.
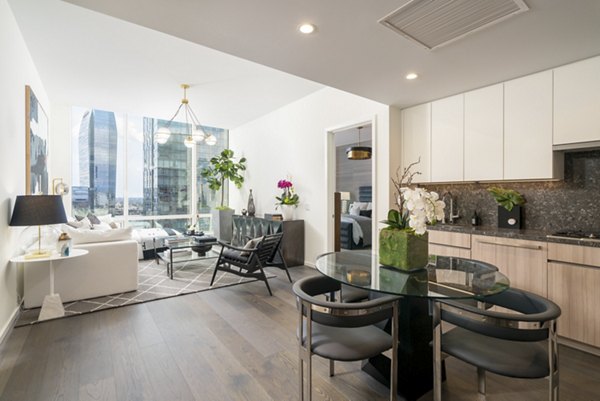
<point x="227" y="344"/>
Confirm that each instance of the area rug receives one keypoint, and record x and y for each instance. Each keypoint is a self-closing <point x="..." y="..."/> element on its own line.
<point x="188" y="278"/>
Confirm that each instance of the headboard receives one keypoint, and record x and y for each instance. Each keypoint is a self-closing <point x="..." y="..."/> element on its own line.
<point x="365" y="193"/>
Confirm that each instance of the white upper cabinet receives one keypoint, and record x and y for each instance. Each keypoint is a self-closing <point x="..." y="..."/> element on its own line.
<point x="447" y="134"/>
<point x="577" y="102"/>
<point x="416" y="140"/>
<point x="528" y="127"/>
<point x="484" y="134"/>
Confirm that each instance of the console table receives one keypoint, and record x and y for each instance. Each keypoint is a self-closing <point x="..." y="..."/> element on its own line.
<point x="292" y="244"/>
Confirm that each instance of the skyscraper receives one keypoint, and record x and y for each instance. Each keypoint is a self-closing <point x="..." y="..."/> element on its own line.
<point x="98" y="159"/>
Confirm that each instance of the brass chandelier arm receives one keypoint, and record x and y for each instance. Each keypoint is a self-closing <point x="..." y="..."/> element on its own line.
<point x="174" y="115"/>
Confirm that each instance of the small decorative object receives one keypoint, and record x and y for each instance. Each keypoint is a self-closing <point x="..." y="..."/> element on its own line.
<point x="63" y="246"/>
<point x="288" y="200"/>
<point x="510" y="214"/>
<point x="475" y="218"/>
<point x="251" y="207"/>
<point x="244" y="212"/>
<point x="404" y="243"/>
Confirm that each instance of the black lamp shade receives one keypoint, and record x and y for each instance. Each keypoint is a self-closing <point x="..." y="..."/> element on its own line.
<point x="38" y="210"/>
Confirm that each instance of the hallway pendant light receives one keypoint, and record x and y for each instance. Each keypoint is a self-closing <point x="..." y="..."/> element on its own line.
<point x="359" y="152"/>
<point x="197" y="134"/>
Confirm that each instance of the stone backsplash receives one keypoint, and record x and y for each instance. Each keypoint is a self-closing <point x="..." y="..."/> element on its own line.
<point x="551" y="205"/>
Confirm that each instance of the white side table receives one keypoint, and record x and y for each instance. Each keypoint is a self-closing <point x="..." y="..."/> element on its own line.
<point x="52" y="306"/>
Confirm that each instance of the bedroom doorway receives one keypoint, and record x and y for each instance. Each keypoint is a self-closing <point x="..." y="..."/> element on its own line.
<point x="353" y="188"/>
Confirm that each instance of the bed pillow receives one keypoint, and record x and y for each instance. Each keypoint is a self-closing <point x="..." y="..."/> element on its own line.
<point x="366" y="213"/>
<point x="355" y="209"/>
<point x="363" y="205"/>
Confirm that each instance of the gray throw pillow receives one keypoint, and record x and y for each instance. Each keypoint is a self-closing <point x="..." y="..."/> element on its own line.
<point x="253" y="243"/>
<point x="93" y="219"/>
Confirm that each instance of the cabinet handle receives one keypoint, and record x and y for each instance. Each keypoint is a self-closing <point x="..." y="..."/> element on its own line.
<point x="532" y="247"/>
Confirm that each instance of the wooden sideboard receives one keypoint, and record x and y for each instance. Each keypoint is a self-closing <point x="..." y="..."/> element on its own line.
<point x="292" y="245"/>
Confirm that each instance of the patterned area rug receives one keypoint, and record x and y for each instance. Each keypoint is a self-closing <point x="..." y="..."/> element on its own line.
<point x="188" y="278"/>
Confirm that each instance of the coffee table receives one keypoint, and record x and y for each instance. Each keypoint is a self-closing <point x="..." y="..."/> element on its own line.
<point x="186" y="249"/>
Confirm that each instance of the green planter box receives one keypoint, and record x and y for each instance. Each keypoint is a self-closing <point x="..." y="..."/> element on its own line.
<point x="402" y="249"/>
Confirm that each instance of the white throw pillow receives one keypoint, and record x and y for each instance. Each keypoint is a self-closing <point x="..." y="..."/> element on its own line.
<point x="102" y="226"/>
<point x="89" y="236"/>
<point x="369" y="206"/>
<point x="105" y="218"/>
<point x="355" y="209"/>
<point x="362" y="205"/>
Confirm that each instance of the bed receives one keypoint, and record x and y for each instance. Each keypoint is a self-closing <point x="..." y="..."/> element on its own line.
<point x="356" y="228"/>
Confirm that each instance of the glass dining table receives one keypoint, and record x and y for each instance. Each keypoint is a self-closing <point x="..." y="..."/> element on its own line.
<point x="421" y="290"/>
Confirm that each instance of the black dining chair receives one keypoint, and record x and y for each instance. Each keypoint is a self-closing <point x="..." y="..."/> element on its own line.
<point x="342" y="331"/>
<point x="248" y="261"/>
<point x="520" y="345"/>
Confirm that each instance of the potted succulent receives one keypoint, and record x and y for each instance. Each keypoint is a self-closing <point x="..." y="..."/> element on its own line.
<point x="289" y="199"/>
<point x="224" y="167"/>
<point x="403" y="244"/>
<point x="510" y="202"/>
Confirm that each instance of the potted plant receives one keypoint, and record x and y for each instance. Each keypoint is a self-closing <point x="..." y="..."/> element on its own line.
<point x="403" y="244"/>
<point x="224" y="167"/>
<point x="510" y="213"/>
<point x="289" y="199"/>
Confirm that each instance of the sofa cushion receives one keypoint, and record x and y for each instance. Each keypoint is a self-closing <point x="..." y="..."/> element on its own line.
<point x="89" y="236"/>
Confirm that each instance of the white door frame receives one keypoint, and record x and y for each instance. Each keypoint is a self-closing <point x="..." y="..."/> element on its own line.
<point x="331" y="156"/>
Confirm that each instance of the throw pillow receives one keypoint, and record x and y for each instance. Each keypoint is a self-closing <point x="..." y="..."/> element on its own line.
<point x="253" y="243"/>
<point x="79" y="218"/>
<point x="355" y="209"/>
<point x="88" y="236"/>
<point x="366" y="213"/>
<point x="93" y="219"/>
<point x="102" y="227"/>
<point x="113" y="225"/>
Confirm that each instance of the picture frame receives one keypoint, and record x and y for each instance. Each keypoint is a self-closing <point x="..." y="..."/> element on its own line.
<point x="36" y="145"/>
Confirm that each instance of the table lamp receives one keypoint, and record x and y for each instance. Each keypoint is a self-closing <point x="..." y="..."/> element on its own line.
<point x="345" y="198"/>
<point x="38" y="210"/>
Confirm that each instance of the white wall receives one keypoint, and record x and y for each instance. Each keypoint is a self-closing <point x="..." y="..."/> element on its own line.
<point x="17" y="70"/>
<point x="292" y="141"/>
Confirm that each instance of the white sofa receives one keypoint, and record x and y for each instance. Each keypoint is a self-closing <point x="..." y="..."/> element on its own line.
<point x="109" y="268"/>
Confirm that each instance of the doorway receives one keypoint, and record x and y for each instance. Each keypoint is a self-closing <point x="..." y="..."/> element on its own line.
<point x="352" y="181"/>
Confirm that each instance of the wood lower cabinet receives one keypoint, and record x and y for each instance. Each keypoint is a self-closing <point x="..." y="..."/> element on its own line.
<point x="573" y="283"/>
<point x="445" y="243"/>
<point x="523" y="262"/>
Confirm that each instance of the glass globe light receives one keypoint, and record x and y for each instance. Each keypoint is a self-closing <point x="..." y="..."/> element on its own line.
<point x="198" y="134"/>
<point x="189" y="142"/>
<point x="162" y="135"/>
<point x="211" y="140"/>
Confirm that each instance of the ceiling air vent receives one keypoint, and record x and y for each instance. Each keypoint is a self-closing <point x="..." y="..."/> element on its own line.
<point x="434" y="23"/>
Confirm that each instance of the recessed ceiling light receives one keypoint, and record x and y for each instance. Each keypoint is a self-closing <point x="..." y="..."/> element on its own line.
<point x="411" y="76"/>
<point x="307" y="28"/>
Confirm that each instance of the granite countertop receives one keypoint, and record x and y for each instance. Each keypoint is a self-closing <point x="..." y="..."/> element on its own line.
<point x="532" y="235"/>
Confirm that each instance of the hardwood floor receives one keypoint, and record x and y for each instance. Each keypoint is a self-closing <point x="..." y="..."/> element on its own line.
<point x="227" y="344"/>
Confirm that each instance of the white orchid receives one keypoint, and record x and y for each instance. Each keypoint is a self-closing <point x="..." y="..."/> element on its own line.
<point x="421" y="207"/>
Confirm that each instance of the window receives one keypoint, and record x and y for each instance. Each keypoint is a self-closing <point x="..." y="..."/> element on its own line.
<point x="119" y="168"/>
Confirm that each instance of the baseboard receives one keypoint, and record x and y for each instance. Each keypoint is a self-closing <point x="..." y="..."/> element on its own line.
<point x="309" y="264"/>
<point x="8" y="326"/>
<point x="590" y="349"/>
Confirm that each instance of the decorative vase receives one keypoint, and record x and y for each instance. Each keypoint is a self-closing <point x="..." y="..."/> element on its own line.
<point x="402" y="249"/>
<point x="510" y="219"/>
<point x="287" y="211"/>
<point x="251" y="207"/>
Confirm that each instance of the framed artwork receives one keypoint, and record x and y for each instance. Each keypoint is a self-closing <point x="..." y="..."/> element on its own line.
<point x="36" y="145"/>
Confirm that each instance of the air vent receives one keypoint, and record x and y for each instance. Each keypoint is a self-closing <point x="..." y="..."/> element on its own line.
<point x="434" y="23"/>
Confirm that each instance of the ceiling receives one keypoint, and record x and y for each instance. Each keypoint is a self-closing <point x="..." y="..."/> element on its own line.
<point x="88" y="59"/>
<point x="353" y="52"/>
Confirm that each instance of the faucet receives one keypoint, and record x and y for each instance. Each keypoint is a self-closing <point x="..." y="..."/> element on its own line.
<point x="451" y="216"/>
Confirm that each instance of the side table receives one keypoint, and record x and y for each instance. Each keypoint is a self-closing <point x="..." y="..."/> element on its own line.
<point x="52" y="306"/>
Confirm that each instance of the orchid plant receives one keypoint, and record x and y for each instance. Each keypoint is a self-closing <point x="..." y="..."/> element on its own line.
<point x="288" y="197"/>
<point x="416" y="207"/>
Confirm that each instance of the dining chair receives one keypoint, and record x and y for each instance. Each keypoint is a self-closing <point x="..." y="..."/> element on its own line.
<point x="248" y="261"/>
<point x="520" y="345"/>
<point x="342" y="331"/>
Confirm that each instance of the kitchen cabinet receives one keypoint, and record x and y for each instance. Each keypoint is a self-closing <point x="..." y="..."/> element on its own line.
<point x="577" y="102"/>
<point x="523" y="262"/>
<point x="573" y="282"/>
<point x="444" y="243"/>
<point x="416" y="140"/>
<point x="447" y="139"/>
<point x="528" y="129"/>
<point x="483" y="157"/>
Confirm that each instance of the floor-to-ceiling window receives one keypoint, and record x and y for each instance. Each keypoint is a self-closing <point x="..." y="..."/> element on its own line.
<point x="119" y="168"/>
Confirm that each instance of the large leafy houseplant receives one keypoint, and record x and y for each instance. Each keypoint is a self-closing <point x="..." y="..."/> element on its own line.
<point x="403" y="243"/>
<point x="224" y="167"/>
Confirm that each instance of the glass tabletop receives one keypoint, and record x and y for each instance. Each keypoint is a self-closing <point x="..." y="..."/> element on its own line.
<point x="187" y="242"/>
<point x="443" y="277"/>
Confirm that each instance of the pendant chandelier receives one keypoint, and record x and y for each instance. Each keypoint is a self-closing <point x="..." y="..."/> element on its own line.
<point x="197" y="134"/>
<point x="359" y="152"/>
